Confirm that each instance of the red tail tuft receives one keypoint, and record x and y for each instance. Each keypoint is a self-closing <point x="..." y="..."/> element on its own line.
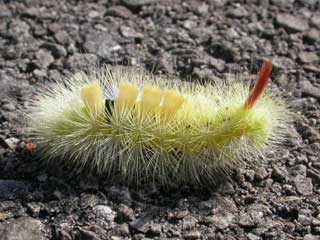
<point x="260" y="84"/>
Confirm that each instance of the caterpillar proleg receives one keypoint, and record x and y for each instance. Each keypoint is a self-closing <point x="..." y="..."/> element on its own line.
<point x="119" y="122"/>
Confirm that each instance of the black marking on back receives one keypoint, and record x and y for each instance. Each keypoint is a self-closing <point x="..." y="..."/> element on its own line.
<point x="109" y="104"/>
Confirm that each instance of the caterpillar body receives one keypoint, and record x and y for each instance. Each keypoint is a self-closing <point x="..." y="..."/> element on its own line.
<point x="118" y="122"/>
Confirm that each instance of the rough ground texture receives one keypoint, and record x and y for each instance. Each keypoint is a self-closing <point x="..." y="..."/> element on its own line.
<point x="42" y="40"/>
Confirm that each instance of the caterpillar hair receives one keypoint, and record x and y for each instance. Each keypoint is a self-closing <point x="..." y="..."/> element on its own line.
<point x="122" y="123"/>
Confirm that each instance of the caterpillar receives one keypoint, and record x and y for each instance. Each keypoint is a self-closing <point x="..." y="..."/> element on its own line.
<point x="122" y="123"/>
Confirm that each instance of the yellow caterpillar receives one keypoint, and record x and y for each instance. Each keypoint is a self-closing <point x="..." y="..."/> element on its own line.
<point x="122" y="123"/>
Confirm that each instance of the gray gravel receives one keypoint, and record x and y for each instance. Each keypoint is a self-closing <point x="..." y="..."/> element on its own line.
<point x="42" y="40"/>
